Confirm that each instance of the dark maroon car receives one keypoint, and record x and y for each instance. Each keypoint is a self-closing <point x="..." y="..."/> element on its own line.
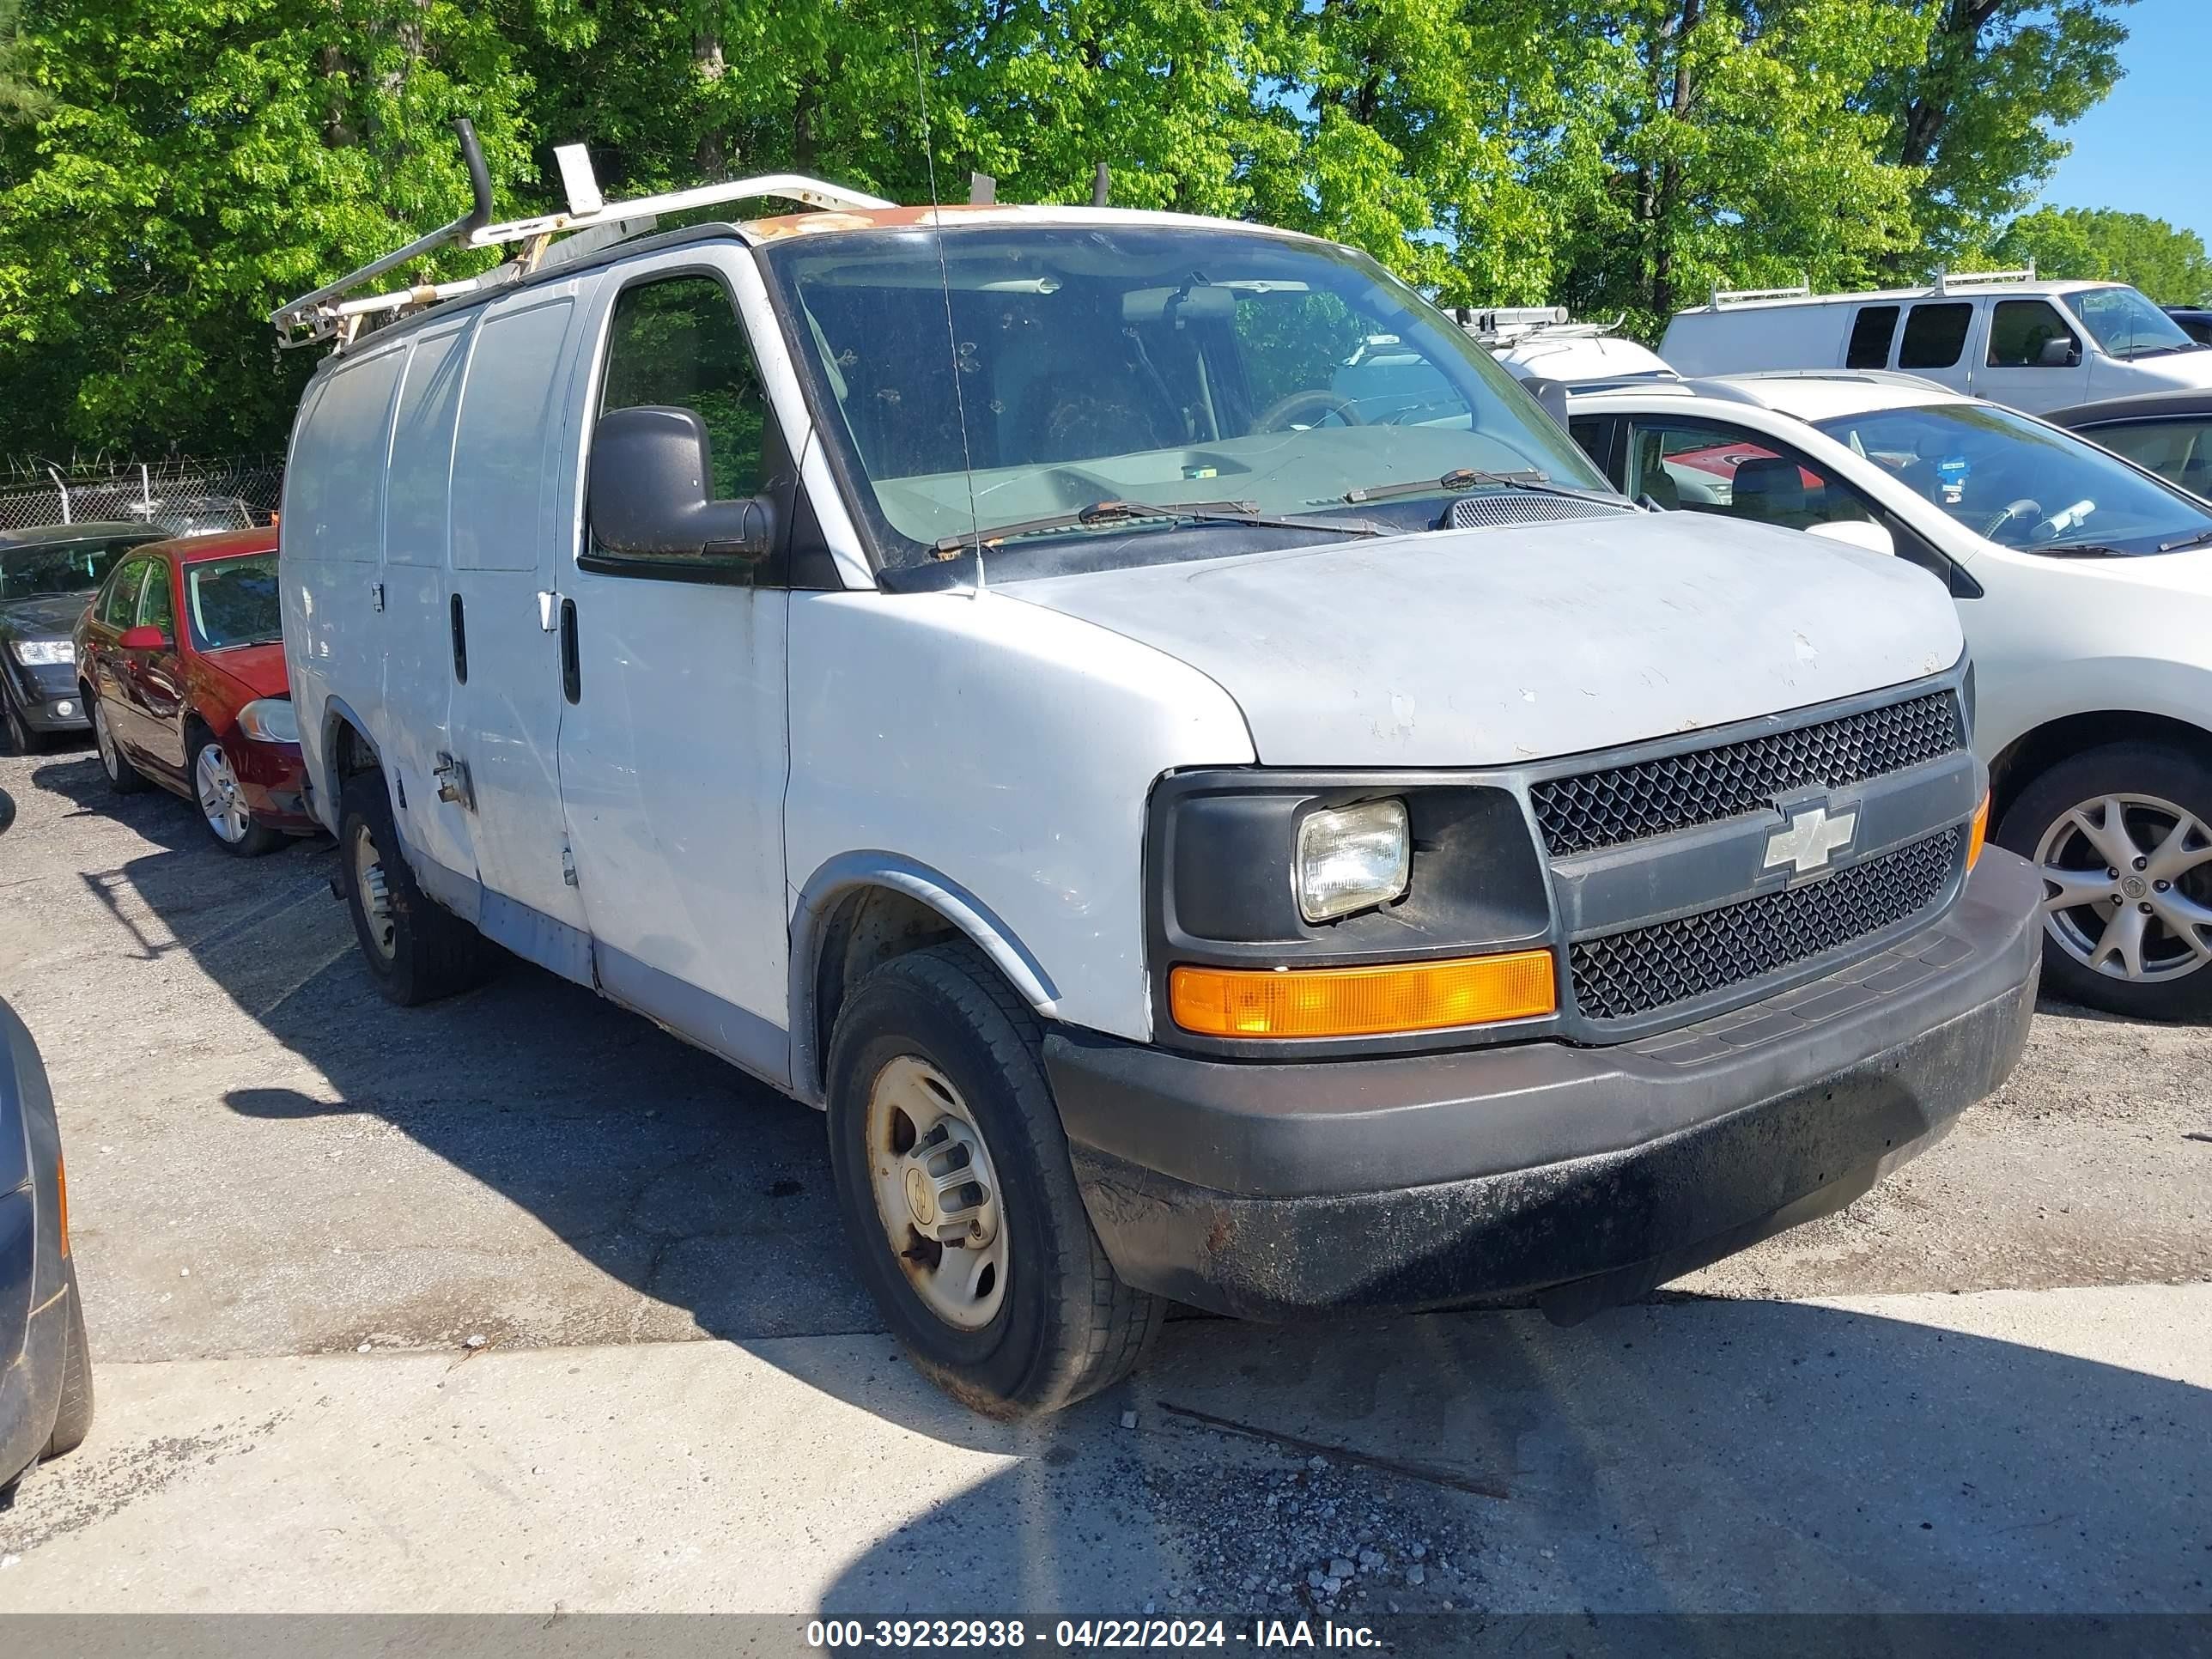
<point x="181" y="662"/>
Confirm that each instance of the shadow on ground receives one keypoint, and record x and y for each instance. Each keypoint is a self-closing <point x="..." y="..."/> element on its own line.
<point x="1693" y="1456"/>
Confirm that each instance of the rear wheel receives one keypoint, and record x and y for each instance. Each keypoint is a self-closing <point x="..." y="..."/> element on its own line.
<point x="953" y="1178"/>
<point x="123" y="778"/>
<point x="2122" y="836"/>
<point x="222" y="801"/>
<point x="416" y="950"/>
<point x="73" y="1419"/>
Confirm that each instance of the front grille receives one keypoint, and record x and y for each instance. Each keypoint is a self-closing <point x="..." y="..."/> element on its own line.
<point x="1647" y="968"/>
<point x="1652" y="798"/>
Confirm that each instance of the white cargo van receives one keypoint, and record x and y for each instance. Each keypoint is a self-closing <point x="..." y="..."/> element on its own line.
<point x="2001" y="335"/>
<point x="985" y="672"/>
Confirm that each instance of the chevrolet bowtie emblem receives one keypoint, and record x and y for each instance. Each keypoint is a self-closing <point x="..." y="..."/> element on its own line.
<point x="1811" y="836"/>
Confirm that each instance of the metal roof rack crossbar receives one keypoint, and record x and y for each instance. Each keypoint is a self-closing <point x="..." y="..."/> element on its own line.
<point x="326" y="313"/>
<point x="1725" y="296"/>
<point x="1948" y="280"/>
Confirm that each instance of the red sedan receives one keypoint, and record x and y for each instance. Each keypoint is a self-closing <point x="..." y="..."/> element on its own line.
<point x="181" y="660"/>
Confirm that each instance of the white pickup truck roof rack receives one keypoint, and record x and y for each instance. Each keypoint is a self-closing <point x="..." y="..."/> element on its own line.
<point x="327" y="314"/>
<point x="1506" y="325"/>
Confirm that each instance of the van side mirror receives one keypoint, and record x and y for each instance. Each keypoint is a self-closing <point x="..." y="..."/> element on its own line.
<point x="650" y="496"/>
<point x="2061" y="353"/>
<point x="1550" y="395"/>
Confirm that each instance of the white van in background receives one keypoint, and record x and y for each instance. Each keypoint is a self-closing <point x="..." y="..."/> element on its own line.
<point x="1996" y="334"/>
<point x="1544" y="343"/>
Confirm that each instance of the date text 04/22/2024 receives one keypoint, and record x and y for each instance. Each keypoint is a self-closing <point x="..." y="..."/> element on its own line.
<point x="988" y="1635"/>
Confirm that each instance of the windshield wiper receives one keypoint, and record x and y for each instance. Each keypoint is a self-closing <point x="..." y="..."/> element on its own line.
<point x="2080" y="550"/>
<point x="2196" y="540"/>
<point x="1106" y="513"/>
<point x="1468" y="478"/>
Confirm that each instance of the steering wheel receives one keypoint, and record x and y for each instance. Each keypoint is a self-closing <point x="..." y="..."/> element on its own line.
<point x="1318" y="400"/>
<point x="2021" y="508"/>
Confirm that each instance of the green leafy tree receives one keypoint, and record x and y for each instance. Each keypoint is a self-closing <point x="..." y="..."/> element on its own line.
<point x="19" y="98"/>
<point x="2168" y="264"/>
<point x="1978" y="114"/>
<point x="196" y="163"/>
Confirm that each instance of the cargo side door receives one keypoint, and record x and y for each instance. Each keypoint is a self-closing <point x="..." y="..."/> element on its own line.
<point x="1933" y="341"/>
<point x="506" y="716"/>
<point x="425" y="620"/>
<point x="674" y="747"/>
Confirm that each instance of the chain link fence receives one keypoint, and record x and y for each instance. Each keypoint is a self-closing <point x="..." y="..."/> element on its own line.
<point x="182" y="496"/>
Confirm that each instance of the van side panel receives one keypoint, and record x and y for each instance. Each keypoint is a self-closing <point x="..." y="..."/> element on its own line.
<point x="1742" y="339"/>
<point x="506" y="718"/>
<point x="420" y="658"/>
<point x="330" y="536"/>
<point x="1010" y="748"/>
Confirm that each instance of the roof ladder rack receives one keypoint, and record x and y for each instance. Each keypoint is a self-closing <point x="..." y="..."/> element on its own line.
<point x="1730" y="296"/>
<point x="326" y="313"/>
<point x="1948" y="280"/>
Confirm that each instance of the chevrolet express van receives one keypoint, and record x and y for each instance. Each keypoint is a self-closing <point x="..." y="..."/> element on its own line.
<point x="1204" y="823"/>
<point x="2001" y="335"/>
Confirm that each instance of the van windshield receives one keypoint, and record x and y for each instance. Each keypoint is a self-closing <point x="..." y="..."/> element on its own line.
<point x="2023" y="484"/>
<point x="2127" y="325"/>
<point x="1158" y="364"/>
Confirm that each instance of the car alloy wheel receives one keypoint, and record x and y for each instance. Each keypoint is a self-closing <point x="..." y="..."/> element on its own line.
<point x="936" y="1193"/>
<point x="369" y="879"/>
<point x="2128" y="887"/>
<point x="222" y="803"/>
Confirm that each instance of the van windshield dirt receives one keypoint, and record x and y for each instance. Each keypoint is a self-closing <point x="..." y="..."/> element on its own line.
<point x="1158" y="364"/>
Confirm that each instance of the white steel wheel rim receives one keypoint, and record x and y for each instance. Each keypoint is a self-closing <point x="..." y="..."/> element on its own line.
<point x="937" y="1195"/>
<point x="222" y="803"/>
<point x="369" y="881"/>
<point x="2127" y="883"/>
<point x="100" y="735"/>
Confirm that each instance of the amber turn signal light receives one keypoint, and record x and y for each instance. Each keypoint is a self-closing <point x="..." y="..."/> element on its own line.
<point x="1979" y="831"/>
<point x="1336" y="1002"/>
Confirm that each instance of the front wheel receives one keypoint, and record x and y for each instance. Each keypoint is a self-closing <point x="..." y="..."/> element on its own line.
<point x="953" y="1179"/>
<point x="2122" y="836"/>
<point x="417" y="950"/>
<point x="222" y="802"/>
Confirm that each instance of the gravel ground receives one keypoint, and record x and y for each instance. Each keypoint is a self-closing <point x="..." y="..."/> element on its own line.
<point x="264" y="1158"/>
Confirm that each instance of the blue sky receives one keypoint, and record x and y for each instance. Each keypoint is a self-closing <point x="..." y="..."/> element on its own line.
<point x="2143" y="150"/>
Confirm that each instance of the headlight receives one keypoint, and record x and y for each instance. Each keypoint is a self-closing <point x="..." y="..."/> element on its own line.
<point x="1353" y="858"/>
<point x="270" y="719"/>
<point x="47" y="654"/>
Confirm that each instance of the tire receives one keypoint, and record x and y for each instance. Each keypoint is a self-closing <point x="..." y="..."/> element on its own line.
<point x="18" y="736"/>
<point x="123" y="778"/>
<point x="1061" y="1325"/>
<point x="73" y="1419"/>
<point x="2062" y="821"/>
<point x="214" y="786"/>
<point x="416" y="950"/>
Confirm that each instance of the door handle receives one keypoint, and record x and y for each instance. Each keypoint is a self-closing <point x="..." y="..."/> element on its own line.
<point x="460" y="644"/>
<point x="572" y="668"/>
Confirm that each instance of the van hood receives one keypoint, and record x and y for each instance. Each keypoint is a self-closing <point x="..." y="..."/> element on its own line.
<point x="1497" y="646"/>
